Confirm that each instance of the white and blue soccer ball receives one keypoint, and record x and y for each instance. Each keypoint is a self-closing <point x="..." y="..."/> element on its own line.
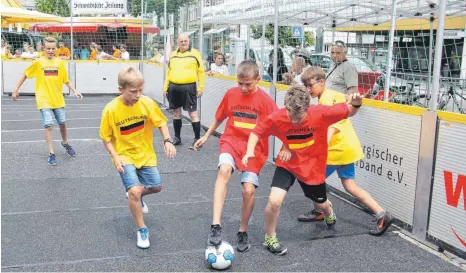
<point x="220" y="257"/>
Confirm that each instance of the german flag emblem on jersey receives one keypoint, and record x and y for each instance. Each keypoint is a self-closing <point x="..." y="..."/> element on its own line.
<point x="297" y="142"/>
<point x="129" y="129"/>
<point x="51" y="72"/>
<point x="244" y="120"/>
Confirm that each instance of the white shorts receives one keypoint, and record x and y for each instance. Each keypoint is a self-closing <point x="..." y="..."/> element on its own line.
<point x="246" y="177"/>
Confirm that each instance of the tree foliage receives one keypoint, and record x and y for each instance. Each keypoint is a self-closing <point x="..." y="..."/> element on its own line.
<point x="56" y="7"/>
<point x="284" y="35"/>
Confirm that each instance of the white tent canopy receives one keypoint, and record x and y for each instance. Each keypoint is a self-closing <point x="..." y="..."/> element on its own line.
<point x="322" y="13"/>
<point x="18" y="15"/>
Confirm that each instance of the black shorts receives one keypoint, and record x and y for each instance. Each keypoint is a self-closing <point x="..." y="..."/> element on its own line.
<point x="284" y="179"/>
<point x="182" y="95"/>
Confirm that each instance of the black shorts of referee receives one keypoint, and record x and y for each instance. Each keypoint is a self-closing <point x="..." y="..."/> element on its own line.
<point x="182" y="96"/>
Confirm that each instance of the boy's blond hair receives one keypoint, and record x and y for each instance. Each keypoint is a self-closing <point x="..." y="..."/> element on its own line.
<point x="297" y="99"/>
<point x="130" y="76"/>
<point x="247" y="68"/>
<point x="50" y="40"/>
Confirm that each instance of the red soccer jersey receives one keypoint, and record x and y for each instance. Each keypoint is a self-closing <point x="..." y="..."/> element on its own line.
<point x="307" y="140"/>
<point x="244" y="112"/>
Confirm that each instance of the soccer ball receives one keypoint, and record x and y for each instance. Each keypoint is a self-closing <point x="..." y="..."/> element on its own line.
<point x="220" y="257"/>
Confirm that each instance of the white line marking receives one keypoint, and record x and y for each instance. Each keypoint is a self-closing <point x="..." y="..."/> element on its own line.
<point x="12" y="112"/>
<point x="16" y="120"/>
<point x="31" y="130"/>
<point x="38" y="141"/>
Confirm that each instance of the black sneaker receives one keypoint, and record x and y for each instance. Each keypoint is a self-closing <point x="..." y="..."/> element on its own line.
<point x="176" y="141"/>
<point x="243" y="241"/>
<point x="69" y="150"/>
<point x="192" y="145"/>
<point x="215" y="236"/>
<point x="383" y="223"/>
<point x="274" y="245"/>
<point x="311" y="216"/>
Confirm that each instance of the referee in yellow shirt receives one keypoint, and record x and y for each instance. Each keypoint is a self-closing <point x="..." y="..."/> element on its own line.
<point x="184" y="83"/>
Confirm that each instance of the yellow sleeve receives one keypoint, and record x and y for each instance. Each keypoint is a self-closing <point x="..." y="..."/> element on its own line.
<point x="67" y="52"/>
<point x="165" y="85"/>
<point x="105" y="131"/>
<point x="338" y="98"/>
<point x="157" y="118"/>
<point x="63" y="73"/>
<point x="32" y="70"/>
<point x="200" y="73"/>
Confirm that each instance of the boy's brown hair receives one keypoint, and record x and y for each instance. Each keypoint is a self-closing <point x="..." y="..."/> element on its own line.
<point x="247" y="68"/>
<point x="312" y="73"/>
<point x="130" y="76"/>
<point x="297" y="99"/>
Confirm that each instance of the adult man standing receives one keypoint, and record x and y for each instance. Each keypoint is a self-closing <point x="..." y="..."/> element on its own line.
<point x="343" y="76"/>
<point x="184" y="83"/>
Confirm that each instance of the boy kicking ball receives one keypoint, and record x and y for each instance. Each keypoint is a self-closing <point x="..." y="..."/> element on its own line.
<point x="244" y="106"/>
<point x="126" y="131"/>
<point x="303" y="129"/>
<point x="343" y="151"/>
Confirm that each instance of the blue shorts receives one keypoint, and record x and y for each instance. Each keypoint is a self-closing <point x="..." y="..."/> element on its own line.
<point x="249" y="177"/>
<point x="48" y="114"/>
<point x="148" y="177"/>
<point x="344" y="171"/>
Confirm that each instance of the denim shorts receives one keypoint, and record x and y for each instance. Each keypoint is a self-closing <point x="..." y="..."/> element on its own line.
<point x="48" y="114"/>
<point x="250" y="177"/>
<point x="148" y="177"/>
<point x="344" y="171"/>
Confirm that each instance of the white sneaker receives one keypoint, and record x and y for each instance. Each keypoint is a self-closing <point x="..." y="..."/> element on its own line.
<point x="143" y="238"/>
<point x="145" y="208"/>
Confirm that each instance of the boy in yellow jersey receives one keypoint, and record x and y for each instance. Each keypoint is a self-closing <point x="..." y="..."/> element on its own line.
<point x="116" y="52"/>
<point x="50" y="73"/>
<point x="344" y="150"/>
<point x="63" y="52"/>
<point x="126" y="131"/>
<point x="184" y="83"/>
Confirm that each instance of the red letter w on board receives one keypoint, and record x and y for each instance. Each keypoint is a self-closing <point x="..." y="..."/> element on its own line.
<point x="453" y="196"/>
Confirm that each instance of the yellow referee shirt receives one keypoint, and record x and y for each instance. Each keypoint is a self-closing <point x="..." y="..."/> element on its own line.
<point x="185" y="67"/>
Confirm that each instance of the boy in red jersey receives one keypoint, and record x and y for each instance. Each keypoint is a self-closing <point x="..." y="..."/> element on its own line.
<point x="244" y="106"/>
<point x="303" y="129"/>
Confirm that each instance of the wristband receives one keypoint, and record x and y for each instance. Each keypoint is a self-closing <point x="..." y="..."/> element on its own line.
<point x="167" y="140"/>
<point x="356" y="106"/>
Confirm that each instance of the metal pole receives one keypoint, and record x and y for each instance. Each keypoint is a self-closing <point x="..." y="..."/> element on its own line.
<point x="275" y="44"/>
<point x="248" y="41"/>
<point x="201" y="33"/>
<point x="431" y="44"/>
<point x="71" y="31"/>
<point x="201" y="30"/>
<point x="165" y="53"/>
<point x="262" y="50"/>
<point x="391" y="39"/>
<point x="442" y="4"/>
<point x="302" y="39"/>
<point x="142" y="31"/>
<point x="463" y="59"/>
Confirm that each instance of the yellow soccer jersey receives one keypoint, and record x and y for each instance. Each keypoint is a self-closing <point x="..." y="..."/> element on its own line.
<point x="344" y="147"/>
<point x="50" y="76"/>
<point x="129" y="128"/>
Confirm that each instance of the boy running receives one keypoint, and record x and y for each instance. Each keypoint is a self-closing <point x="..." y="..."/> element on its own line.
<point x="126" y="131"/>
<point x="303" y="128"/>
<point x="50" y="73"/>
<point x="344" y="150"/>
<point x="244" y="106"/>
